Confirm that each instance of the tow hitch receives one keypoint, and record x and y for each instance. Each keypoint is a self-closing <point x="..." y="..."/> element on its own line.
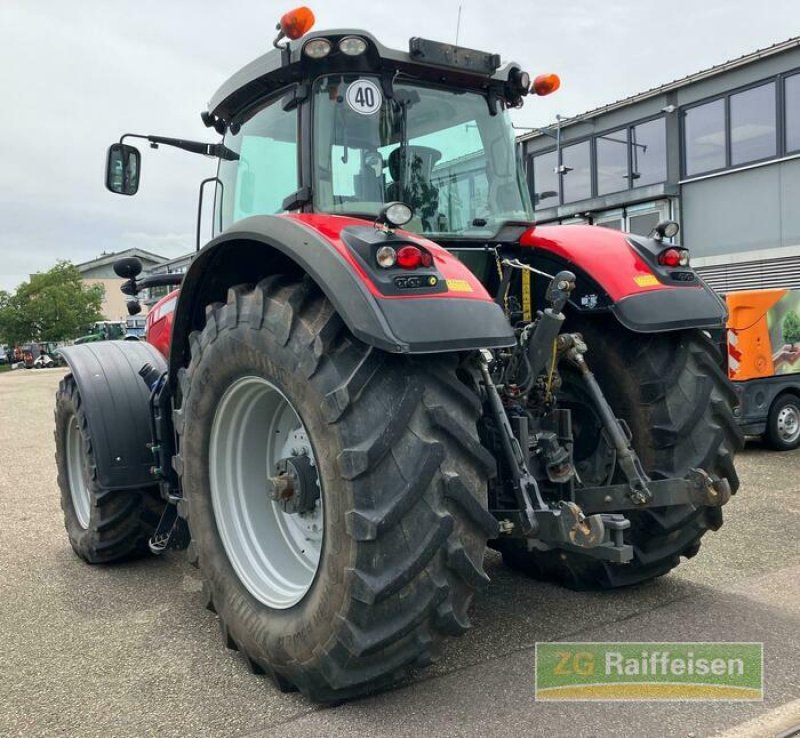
<point x="592" y="520"/>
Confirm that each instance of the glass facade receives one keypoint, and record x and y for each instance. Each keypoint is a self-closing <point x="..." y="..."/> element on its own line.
<point x="545" y="180"/>
<point x="649" y="153"/>
<point x="576" y="182"/>
<point x="704" y="137"/>
<point x="735" y="128"/>
<point x="753" y="124"/>
<point x="792" y="106"/>
<point x="612" y="162"/>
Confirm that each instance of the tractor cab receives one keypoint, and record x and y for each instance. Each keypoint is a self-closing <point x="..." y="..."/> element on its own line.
<point x="334" y="122"/>
<point x="440" y="141"/>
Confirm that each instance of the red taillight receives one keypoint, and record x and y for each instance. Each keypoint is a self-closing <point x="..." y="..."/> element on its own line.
<point x="410" y="257"/>
<point x="670" y="258"/>
<point x="674" y="258"/>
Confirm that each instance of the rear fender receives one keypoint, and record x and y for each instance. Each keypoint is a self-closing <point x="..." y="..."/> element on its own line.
<point x="618" y="273"/>
<point x="116" y="402"/>
<point x="458" y="315"/>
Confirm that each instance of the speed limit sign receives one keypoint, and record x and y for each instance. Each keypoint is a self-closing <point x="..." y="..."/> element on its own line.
<point x="364" y="96"/>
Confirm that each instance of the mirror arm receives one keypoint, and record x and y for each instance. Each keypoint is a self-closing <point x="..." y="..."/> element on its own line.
<point x="217" y="150"/>
<point x="134" y="286"/>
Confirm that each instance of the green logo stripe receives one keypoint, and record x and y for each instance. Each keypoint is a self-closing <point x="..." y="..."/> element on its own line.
<point x="649" y="671"/>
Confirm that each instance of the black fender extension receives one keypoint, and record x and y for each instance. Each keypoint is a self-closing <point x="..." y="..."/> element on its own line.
<point x="116" y="402"/>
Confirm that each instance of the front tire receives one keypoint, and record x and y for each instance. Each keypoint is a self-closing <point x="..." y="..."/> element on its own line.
<point x="670" y="390"/>
<point x="103" y="525"/>
<point x="402" y="481"/>
<point x="783" y="424"/>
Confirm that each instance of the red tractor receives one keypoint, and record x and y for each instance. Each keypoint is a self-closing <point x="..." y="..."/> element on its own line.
<point x="380" y="364"/>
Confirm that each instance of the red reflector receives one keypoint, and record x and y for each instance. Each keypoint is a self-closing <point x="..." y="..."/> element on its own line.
<point x="409" y="257"/>
<point x="670" y="258"/>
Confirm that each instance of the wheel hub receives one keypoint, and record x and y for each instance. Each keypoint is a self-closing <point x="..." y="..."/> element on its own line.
<point x="789" y="423"/>
<point x="296" y="486"/>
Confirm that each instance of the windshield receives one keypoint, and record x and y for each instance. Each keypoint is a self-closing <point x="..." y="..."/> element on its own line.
<point x="439" y="151"/>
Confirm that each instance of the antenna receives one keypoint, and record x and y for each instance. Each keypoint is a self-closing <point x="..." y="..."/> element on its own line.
<point x="458" y="24"/>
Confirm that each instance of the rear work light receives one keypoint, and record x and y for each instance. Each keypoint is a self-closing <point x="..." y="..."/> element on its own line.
<point x="352" y="46"/>
<point x="674" y="258"/>
<point x="317" y="48"/>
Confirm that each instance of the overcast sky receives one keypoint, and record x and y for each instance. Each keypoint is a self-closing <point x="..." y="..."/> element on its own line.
<point x="75" y="75"/>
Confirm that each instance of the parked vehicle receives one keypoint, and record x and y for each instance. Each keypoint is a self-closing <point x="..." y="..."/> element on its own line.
<point x="763" y="356"/>
<point x="104" y="330"/>
<point x="24" y="355"/>
<point x="43" y="361"/>
<point x="359" y="384"/>
<point x="135" y="327"/>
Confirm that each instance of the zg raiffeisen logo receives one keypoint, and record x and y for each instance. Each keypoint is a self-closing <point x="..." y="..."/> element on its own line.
<point x="649" y="671"/>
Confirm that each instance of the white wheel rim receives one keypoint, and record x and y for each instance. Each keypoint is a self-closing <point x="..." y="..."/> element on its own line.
<point x="274" y="554"/>
<point x="76" y="472"/>
<point x="789" y="424"/>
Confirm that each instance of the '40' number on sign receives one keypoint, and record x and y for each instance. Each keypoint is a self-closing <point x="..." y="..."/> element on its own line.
<point x="364" y="96"/>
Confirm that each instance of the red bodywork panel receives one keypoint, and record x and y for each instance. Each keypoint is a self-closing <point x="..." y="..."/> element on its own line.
<point x="158" y="326"/>
<point x="604" y="254"/>
<point x="452" y="269"/>
<point x="461" y="282"/>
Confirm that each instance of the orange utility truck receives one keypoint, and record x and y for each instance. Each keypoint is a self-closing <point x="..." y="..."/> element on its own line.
<point x="764" y="363"/>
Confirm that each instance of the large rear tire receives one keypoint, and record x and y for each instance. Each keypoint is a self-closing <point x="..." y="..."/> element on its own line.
<point x="402" y="480"/>
<point x="678" y="403"/>
<point x="103" y="525"/>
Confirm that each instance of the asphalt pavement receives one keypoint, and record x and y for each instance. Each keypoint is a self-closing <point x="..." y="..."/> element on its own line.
<point x="128" y="650"/>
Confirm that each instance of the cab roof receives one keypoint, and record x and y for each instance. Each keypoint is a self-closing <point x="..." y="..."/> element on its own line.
<point x="281" y="67"/>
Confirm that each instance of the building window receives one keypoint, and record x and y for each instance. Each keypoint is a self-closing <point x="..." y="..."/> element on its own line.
<point x="753" y="135"/>
<point x="642" y="224"/>
<point x="545" y="180"/>
<point x="792" y="102"/>
<point x="704" y="137"/>
<point x="612" y="162"/>
<point x="649" y="153"/>
<point x="577" y="178"/>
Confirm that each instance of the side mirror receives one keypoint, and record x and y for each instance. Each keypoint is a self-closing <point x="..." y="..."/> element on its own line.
<point x="122" y="169"/>
<point x="134" y="307"/>
<point x="129" y="267"/>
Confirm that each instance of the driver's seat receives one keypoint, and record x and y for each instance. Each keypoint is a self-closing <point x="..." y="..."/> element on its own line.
<point x="419" y="192"/>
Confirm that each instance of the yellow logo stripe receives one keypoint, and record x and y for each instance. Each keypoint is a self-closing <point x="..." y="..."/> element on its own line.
<point x="644" y="692"/>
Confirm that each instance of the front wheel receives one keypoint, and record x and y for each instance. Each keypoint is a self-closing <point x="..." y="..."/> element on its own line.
<point x="678" y="404"/>
<point x="336" y="495"/>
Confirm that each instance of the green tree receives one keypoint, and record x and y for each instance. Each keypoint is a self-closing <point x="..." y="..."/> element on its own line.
<point x="55" y="305"/>
<point x="791" y="327"/>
